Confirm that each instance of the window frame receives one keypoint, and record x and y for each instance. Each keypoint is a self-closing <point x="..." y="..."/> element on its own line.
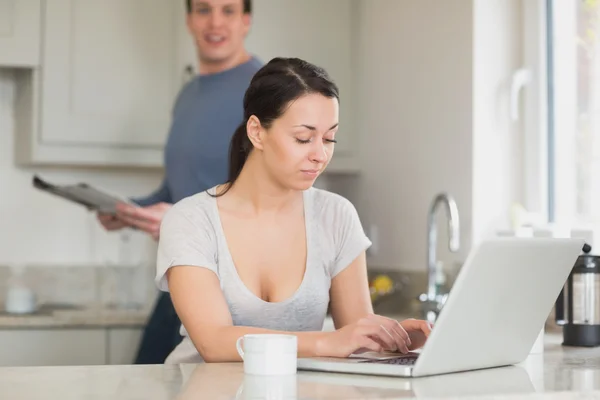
<point x="538" y="189"/>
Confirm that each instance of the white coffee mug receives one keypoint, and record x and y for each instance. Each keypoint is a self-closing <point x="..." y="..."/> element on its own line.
<point x="268" y="354"/>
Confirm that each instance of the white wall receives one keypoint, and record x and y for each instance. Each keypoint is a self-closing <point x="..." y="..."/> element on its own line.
<point x="497" y="140"/>
<point x="432" y="88"/>
<point x="433" y="118"/>
<point x="41" y="229"/>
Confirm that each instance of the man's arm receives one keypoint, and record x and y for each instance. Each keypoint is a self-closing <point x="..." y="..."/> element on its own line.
<point x="161" y="195"/>
<point x="149" y="213"/>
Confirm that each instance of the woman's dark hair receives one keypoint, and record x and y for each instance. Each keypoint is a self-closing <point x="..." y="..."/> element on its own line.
<point x="247" y="6"/>
<point x="271" y="90"/>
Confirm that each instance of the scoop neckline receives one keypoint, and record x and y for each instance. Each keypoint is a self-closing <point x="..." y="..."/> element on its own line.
<point x="308" y="234"/>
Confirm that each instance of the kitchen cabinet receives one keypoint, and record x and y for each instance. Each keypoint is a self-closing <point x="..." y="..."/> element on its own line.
<point x="20" y="33"/>
<point x="69" y="346"/>
<point x="35" y="347"/>
<point x="111" y="70"/>
<point x="123" y="345"/>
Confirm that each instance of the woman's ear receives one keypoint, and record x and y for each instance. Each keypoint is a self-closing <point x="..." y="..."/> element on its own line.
<point x="255" y="132"/>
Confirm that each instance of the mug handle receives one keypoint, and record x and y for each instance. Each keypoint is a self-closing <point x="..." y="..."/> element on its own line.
<point x="239" y="346"/>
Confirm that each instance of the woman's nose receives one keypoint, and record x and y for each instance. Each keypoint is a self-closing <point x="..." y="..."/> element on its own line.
<point x="319" y="152"/>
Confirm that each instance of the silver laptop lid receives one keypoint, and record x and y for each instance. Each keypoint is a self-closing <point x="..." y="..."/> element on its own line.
<point x="498" y="304"/>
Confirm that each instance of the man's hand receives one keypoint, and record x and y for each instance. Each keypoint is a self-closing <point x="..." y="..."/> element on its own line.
<point x="110" y="222"/>
<point x="147" y="219"/>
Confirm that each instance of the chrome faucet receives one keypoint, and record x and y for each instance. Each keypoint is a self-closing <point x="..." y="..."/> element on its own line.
<point x="433" y="301"/>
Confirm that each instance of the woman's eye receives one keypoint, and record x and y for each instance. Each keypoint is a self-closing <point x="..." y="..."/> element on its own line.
<point x="305" y="141"/>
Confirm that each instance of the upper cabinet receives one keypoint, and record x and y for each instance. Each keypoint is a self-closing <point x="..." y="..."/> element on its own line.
<point x="20" y="33"/>
<point x="110" y="71"/>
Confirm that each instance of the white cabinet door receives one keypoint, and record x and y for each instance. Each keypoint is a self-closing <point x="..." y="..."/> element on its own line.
<point x="20" y="33"/>
<point x="40" y="347"/>
<point x="123" y="345"/>
<point x="111" y="71"/>
<point x="321" y="32"/>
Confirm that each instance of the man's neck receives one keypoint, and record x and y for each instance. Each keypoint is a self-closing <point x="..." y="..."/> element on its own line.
<point x="207" y="67"/>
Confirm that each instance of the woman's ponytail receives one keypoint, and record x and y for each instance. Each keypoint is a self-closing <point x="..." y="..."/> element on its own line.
<point x="239" y="148"/>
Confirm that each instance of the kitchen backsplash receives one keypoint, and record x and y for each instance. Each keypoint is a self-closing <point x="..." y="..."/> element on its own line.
<point x="117" y="286"/>
<point x="41" y="229"/>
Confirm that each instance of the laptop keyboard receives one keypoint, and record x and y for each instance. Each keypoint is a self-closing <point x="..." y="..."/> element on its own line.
<point x="394" y="361"/>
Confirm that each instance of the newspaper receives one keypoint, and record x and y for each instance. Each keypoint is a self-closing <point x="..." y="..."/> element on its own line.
<point x="81" y="193"/>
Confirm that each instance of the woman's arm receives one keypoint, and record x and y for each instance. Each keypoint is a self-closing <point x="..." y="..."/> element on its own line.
<point x="349" y="293"/>
<point x="351" y="303"/>
<point x="201" y="306"/>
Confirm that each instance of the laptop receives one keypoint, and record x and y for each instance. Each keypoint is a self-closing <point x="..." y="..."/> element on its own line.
<point x="494" y="313"/>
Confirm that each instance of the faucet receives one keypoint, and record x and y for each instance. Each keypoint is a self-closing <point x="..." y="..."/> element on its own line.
<point x="432" y="301"/>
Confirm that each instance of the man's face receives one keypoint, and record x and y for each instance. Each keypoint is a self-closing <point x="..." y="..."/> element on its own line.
<point x="219" y="28"/>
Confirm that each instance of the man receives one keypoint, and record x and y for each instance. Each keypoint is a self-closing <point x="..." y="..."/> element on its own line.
<point x="205" y="115"/>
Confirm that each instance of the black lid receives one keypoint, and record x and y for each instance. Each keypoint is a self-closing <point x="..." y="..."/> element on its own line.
<point x="587" y="263"/>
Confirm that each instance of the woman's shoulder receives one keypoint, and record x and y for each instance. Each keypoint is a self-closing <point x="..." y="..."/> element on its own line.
<point x="328" y="203"/>
<point x="197" y="209"/>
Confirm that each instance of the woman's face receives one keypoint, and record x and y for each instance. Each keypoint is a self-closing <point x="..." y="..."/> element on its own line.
<point x="299" y="144"/>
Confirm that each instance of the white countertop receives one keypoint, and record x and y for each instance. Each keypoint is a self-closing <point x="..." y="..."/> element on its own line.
<point x="89" y="317"/>
<point x="558" y="373"/>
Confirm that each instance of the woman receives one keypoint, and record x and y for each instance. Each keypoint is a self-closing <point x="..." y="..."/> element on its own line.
<point x="266" y="251"/>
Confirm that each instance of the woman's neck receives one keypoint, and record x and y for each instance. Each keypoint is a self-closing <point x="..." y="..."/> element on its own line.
<point x="258" y="193"/>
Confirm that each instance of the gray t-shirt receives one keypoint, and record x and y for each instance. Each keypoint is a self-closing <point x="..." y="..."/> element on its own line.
<point x="191" y="234"/>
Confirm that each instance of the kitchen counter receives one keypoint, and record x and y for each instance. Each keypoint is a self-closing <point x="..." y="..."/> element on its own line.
<point x="558" y="373"/>
<point x="85" y="317"/>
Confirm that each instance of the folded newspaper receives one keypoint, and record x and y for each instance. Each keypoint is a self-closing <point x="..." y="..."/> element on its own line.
<point x="84" y="194"/>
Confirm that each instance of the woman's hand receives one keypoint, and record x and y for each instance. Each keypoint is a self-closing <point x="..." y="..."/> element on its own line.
<point x="418" y="332"/>
<point x="372" y="333"/>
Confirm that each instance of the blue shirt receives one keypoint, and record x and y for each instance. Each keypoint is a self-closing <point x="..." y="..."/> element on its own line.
<point x="206" y="113"/>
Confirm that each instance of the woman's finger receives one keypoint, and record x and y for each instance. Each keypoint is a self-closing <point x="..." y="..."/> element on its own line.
<point x="379" y="334"/>
<point x="417" y="325"/>
<point x="394" y="327"/>
<point x="367" y="343"/>
<point x="401" y="332"/>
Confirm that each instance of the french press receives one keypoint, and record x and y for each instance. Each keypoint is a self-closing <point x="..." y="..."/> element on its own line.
<point x="580" y="298"/>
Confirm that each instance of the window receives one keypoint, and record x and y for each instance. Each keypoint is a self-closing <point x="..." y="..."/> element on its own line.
<point x="573" y="104"/>
<point x="561" y="124"/>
